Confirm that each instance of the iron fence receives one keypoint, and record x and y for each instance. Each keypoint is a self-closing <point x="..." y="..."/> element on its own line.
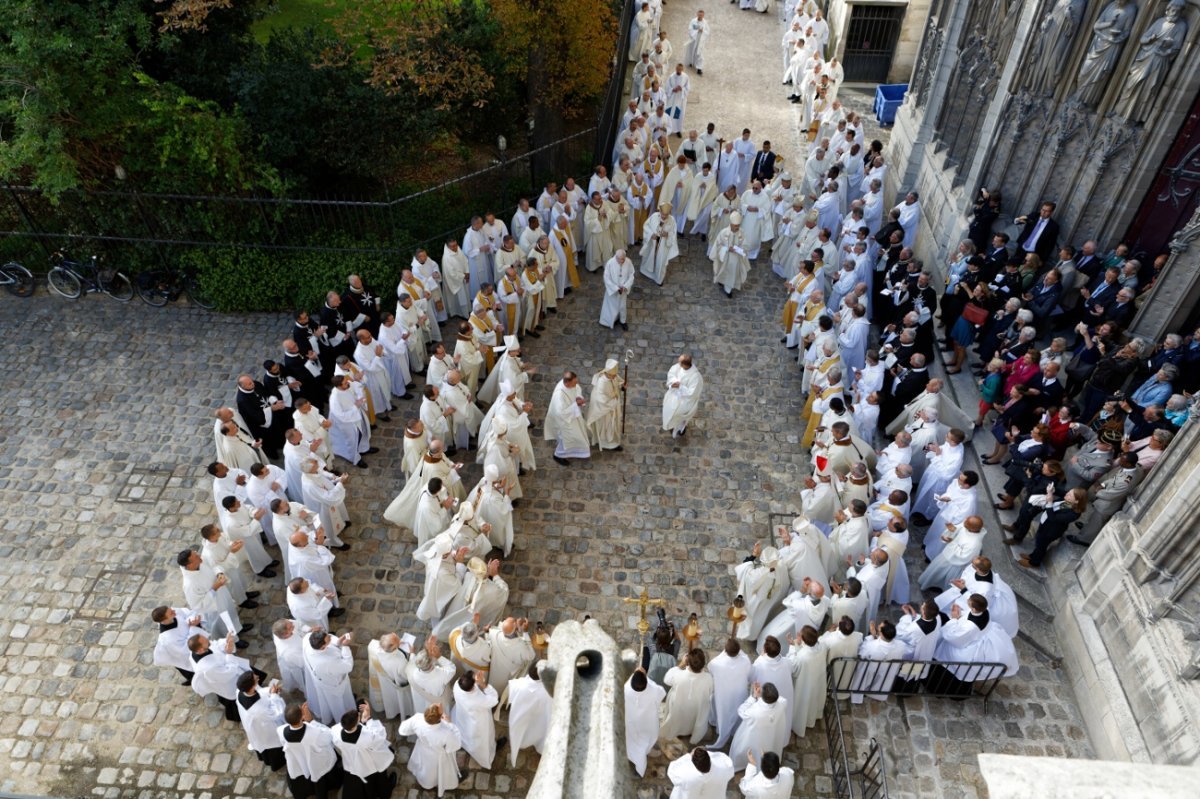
<point x="614" y="98"/>
<point x="149" y="228"/>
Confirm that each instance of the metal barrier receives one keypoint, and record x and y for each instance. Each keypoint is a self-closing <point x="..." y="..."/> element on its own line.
<point x="866" y="782"/>
<point x="935" y="678"/>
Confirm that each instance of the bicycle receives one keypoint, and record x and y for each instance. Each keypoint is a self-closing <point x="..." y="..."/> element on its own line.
<point x="160" y="286"/>
<point x="17" y="279"/>
<point x="70" y="279"/>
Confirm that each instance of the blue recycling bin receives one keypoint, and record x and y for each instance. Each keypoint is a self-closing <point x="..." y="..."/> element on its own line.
<point x="888" y="97"/>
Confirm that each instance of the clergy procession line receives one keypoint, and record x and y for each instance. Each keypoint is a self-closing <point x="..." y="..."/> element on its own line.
<point x="342" y="372"/>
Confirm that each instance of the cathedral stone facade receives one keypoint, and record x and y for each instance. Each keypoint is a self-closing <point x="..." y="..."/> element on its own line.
<point x="1091" y="104"/>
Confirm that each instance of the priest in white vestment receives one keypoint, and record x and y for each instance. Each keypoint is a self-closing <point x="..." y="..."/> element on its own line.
<point x="456" y="274"/>
<point x="512" y="652"/>
<point x="842" y="641"/>
<point x="529" y="713"/>
<point x="432" y="761"/>
<point x="767" y="779"/>
<point x="698" y="32"/>
<point x="207" y="593"/>
<point x="403" y="509"/>
<point x="510" y="369"/>
<point x="659" y="243"/>
<point x="642" y="700"/>
<point x="430" y="676"/>
<point x="328" y="663"/>
<point x="366" y="755"/>
<point x="350" y="434"/>
<point x="772" y="666"/>
<point x="369" y="354"/>
<point x="682" y="398"/>
<point x="729" y="253"/>
<point x="175" y="627"/>
<point x="765" y="726"/>
<point x="326" y="495"/>
<point x="484" y="592"/>
<point x="944" y="464"/>
<point x="700" y="774"/>
<point x="564" y="421"/>
<point x="307" y="558"/>
<point x="958" y="502"/>
<point x="289" y="653"/>
<point x="689" y="701"/>
<point x="758" y="225"/>
<point x="618" y="281"/>
<point x="261" y="711"/>
<point x="732" y="673"/>
<point x="972" y="637"/>
<point x="965" y="544"/>
<point x="806" y="606"/>
<point x="472" y="714"/>
<point x="910" y="217"/>
<point x="236" y="448"/>
<point x="466" y="419"/>
<point x="979" y="578"/>
<point x="604" y="411"/>
<point x="809" y="670"/>
<point x="762" y="582"/>
<point x="308" y="603"/>
<point x="877" y="680"/>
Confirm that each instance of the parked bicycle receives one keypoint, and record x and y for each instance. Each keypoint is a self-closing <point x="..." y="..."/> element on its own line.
<point x="17" y="279"/>
<point x="71" y="278"/>
<point x="160" y="286"/>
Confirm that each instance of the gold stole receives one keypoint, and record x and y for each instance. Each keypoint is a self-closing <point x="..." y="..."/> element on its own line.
<point x="536" y="299"/>
<point x="564" y="241"/>
<point x="510" y="310"/>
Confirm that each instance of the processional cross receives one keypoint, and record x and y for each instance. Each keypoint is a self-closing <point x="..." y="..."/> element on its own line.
<point x="644" y="601"/>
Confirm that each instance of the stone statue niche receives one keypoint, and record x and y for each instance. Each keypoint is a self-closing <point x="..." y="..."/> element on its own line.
<point x="1109" y="33"/>
<point x="1052" y="44"/>
<point x="1148" y="71"/>
<point x="584" y="754"/>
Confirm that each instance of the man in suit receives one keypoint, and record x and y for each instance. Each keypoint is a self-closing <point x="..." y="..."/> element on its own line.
<point x="764" y="165"/>
<point x="1087" y="262"/>
<point x="1040" y="232"/>
<point x="995" y="257"/>
<point x="1121" y="312"/>
<point x="1095" y="456"/>
<point x="1100" y="293"/>
<point x="1043" y="298"/>
<point x="1107" y="496"/>
<point x="1049" y="390"/>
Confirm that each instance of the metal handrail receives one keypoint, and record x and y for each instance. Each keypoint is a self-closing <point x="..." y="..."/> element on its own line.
<point x="936" y="678"/>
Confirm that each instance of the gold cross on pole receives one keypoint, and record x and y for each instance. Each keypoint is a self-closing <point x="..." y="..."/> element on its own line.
<point x="644" y="601"/>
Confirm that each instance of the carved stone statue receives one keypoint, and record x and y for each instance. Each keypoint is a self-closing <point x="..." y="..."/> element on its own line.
<point x="1112" y="28"/>
<point x="1052" y="44"/>
<point x="1159" y="45"/>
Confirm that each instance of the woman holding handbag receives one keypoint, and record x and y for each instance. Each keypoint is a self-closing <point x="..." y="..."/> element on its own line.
<point x="974" y="314"/>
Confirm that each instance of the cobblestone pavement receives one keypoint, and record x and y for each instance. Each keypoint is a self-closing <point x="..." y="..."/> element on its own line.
<point x="108" y="431"/>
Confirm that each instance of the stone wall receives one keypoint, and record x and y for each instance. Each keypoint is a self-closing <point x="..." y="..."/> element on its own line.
<point x="996" y="108"/>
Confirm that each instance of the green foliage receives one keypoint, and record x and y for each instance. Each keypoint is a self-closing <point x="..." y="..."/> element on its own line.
<point x="261" y="280"/>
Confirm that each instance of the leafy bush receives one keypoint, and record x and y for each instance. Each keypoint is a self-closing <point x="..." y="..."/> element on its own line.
<point x="243" y="280"/>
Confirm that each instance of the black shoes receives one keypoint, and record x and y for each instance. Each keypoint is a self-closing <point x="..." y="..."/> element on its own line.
<point x="561" y="461"/>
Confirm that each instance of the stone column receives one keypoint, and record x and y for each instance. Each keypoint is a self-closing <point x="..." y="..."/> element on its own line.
<point x="1177" y="291"/>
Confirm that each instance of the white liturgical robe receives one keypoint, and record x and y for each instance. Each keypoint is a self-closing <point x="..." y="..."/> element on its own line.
<point x="641" y="722"/>
<point x="528" y="717"/>
<point x="432" y="758"/>
<point x="688" y="704"/>
<point x="680" y="404"/>
<point x="472" y="714"/>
